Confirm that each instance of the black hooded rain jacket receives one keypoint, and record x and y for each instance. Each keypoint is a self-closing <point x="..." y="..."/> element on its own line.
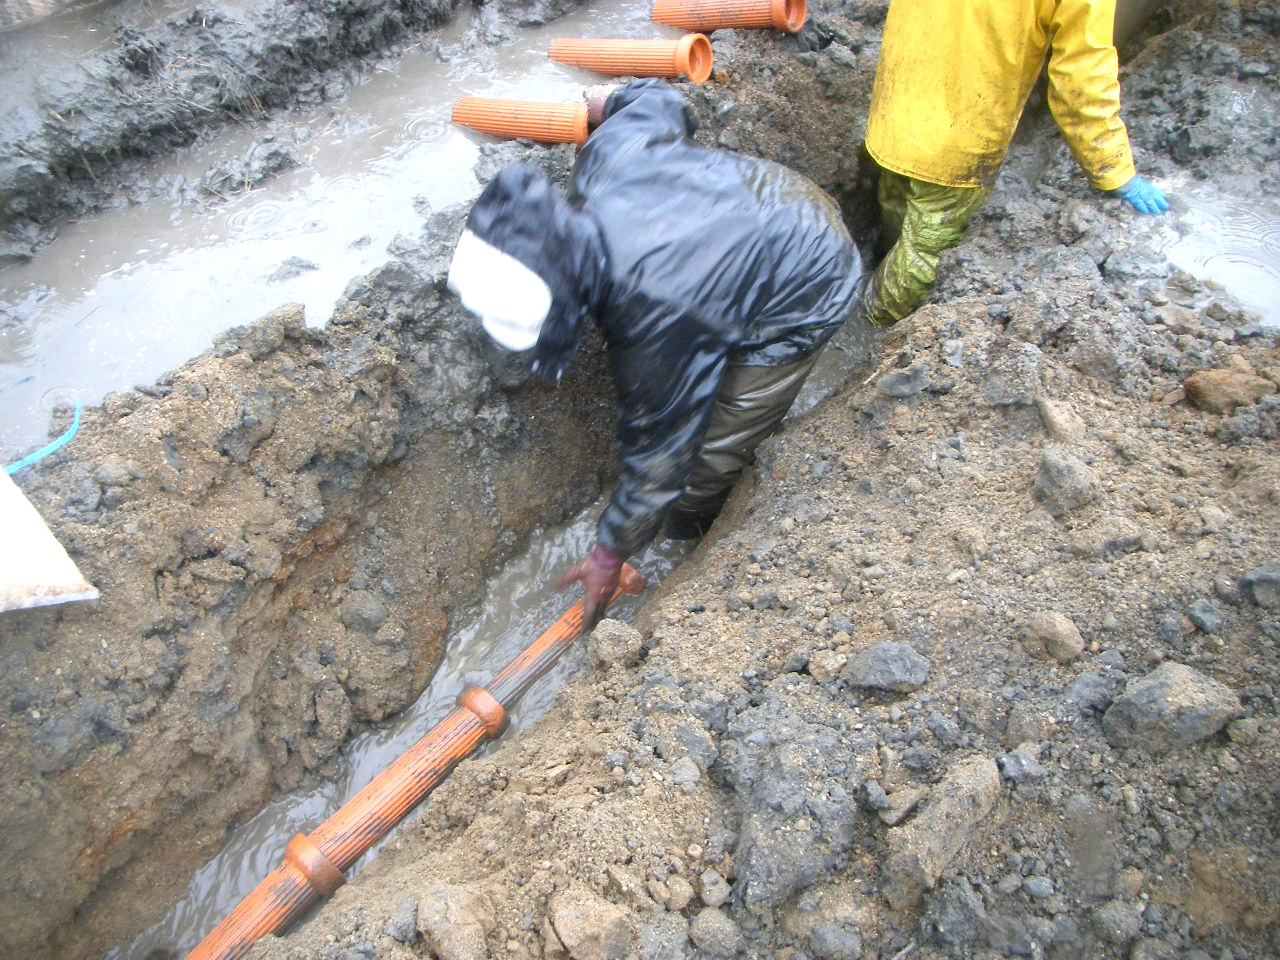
<point x="691" y="259"/>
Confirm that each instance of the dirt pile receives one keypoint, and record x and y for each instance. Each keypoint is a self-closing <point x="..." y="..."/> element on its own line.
<point x="982" y="663"/>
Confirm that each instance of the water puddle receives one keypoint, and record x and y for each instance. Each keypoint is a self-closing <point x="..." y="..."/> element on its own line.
<point x="122" y="297"/>
<point x="1230" y="241"/>
<point x="520" y="604"/>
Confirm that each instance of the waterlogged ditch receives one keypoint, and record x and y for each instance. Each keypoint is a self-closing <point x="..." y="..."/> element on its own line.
<point x="519" y="604"/>
<point x="119" y="298"/>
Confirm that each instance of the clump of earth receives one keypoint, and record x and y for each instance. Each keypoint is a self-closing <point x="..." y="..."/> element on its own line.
<point x="979" y="662"/>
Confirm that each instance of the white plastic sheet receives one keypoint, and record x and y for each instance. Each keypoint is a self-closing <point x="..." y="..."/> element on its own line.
<point x="34" y="568"/>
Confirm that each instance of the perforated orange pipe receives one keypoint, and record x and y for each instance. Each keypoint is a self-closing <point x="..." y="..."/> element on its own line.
<point x="708" y="15"/>
<point x="314" y="866"/>
<point x="690" y="55"/>
<point x="545" y="122"/>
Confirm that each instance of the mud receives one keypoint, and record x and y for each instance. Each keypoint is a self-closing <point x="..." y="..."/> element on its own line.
<point x="906" y="700"/>
<point x="76" y="143"/>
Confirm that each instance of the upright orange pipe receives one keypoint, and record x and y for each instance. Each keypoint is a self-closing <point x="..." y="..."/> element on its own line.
<point x="708" y="15"/>
<point x="690" y="55"/>
<point x="546" y="122"/>
<point x="315" y="866"/>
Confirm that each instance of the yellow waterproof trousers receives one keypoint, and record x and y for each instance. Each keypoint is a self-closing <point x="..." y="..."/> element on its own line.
<point x="921" y="220"/>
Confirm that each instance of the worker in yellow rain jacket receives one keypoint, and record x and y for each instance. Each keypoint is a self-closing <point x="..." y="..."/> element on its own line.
<point x="952" y="81"/>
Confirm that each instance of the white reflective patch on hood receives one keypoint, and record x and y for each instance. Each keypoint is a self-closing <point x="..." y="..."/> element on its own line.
<point x="512" y="300"/>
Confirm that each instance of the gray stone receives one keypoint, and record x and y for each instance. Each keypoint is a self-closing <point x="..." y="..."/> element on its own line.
<point x="402" y="925"/>
<point x="713" y="888"/>
<point x="685" y="773"/>
<point x="877" y="799"/>
<point x="955" y="915"/>
<point x="713" y="932"/>
<point x="1171" y="707"/>
<point x="362" y="612"/>
<point x="1065" y="482"/>
<point x="835" y="941"/>
<point x="887" y="665"/>
<point x="1093" y="691"/>
<point x="1262" y="585"/>
<point x="905" y="383"/>
<point x="1118" y="921"/>
<point x="1205" y="616"/>
<point x="1039" y="887"/>
<point x="663" y="936"/>
<point x="1022" y="763"/>
<point x="900" y="803"/>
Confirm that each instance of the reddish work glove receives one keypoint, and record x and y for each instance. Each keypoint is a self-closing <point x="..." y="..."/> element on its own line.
<point x="599" y="571"/>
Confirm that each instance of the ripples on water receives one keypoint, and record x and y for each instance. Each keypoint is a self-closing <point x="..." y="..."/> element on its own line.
<point x="1233" y="242"/>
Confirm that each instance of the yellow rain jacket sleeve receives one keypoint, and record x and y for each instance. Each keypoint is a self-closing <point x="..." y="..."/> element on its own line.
<point x="954" y="76"/>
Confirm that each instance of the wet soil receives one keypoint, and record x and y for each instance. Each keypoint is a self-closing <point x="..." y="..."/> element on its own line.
<point x="980" y="662"/>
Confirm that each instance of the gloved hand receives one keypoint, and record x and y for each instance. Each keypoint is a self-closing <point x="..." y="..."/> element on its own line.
<point x="1142" y="196"/>
<point x="599" y="571"/>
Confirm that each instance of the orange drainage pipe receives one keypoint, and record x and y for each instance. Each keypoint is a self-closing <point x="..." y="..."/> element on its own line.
<point x="690" y="55"/>
<point x="708" y="15"/>
<point x="314" y="866"/>
<point x="546" y="122"/>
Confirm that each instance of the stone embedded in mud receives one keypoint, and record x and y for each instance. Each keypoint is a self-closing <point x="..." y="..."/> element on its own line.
<point x="905" y="383"/>
<point x="614" y="643"/>
<point x="1015" y="371"/>
<point x="1060" y="421"/>
<point x="590" y="927"/>
<point x="290" y="268"/>
<point x="1262" y="585"/>
<point x="1050" y="634"/>
<point x="1065" y="482"/>
<point x="1222" y="391"/>
<point x="716" y="934"/>
<point x="887" y="665"/>
<point x="402" y="925"/>
<point x="362" y="612"/>
<point x="1171" y="707"/>
<point x="455" y="921"/>
<point x="793" y="767"/>
<point x="1118" y="921"/>
<point x="663" y="936"/>
<point x="921" y="850"/>
<point x="955" y="915"/>
<point x="836" y="941"/>
<point x="713" y="888"/>
<point x="1022" y="764"/>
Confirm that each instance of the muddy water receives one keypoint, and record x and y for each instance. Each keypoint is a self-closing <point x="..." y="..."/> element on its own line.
<point x="120" y="298"/>
<point x="1235" y="243"/>
<point x="518" y="607"/>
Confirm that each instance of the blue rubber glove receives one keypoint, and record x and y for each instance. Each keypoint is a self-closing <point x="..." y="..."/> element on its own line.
<point x="1142" y="196"/>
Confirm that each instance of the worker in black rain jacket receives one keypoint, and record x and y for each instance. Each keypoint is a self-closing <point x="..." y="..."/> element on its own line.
<point x="715" y="279"/>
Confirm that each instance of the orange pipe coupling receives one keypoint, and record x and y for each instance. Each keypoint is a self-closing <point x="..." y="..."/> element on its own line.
<point x="707" y="15"/>
<point x="689" y="56"/>
<point x="315" y="866"/>
<point x="545" y="122"/>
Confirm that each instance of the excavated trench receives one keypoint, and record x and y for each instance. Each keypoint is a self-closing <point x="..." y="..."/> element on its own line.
<point x="293" y="532"/>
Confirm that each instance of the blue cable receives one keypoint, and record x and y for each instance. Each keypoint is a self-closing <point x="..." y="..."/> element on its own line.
<point x="49" y="448"/>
